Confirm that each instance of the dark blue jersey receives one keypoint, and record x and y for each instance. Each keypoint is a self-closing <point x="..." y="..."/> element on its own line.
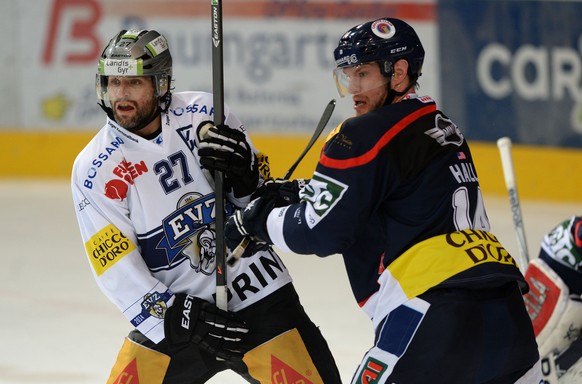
<point x="385" y="181"/>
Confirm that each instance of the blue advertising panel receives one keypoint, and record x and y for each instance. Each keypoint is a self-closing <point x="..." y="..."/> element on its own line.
<point x="513" y="68"/>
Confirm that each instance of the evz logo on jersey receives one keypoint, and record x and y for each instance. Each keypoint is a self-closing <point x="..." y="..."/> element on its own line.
<point x="155" y="304"/>
<point x="322" y="193"/>
<point x="189" y="232"/>
<point x="191" y="216"/>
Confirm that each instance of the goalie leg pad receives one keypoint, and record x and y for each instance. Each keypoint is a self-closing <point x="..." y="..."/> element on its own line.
<point x="555" y="314"/>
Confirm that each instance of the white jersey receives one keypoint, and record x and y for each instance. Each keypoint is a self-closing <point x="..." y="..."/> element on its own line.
<point x="146" y="215"/>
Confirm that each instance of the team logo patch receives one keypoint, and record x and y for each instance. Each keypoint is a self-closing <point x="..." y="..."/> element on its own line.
<point x="383" y="28"/>
<point x="371" y="372"/>
<point x="445" y="132"/>
<point x="202" y="253"/>
<point x="189" y="232"/>
<point x="322" y="193"/>
<point x="155" y="304"/>
<point x="107" y="247"/>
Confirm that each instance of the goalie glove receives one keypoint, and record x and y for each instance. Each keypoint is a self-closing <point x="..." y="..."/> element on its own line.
<point x="250" y="223"/>
<point x="193" y="320"/>
<point x="224" y="149"/>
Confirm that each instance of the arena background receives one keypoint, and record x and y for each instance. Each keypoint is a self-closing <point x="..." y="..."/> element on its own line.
<point x="498" y="68"/>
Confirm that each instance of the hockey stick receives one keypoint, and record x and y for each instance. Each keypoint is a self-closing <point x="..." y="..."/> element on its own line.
<point x="218" y="101"/>
<point x="504" y="145"/>
<point x="327" y="112"/>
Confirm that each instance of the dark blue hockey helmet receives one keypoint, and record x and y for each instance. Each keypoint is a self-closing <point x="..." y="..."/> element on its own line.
<point x="385" y="40"/>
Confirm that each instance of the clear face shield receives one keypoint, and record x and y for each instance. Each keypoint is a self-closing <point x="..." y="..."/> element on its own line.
<point x="356" y="79"/>
<point x="126" y="67"/>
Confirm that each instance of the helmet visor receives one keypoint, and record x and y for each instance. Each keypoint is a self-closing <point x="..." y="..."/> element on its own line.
<point x="115" y="67"/>
<point x="356" y="79"/>
<point x="161" y="84"/>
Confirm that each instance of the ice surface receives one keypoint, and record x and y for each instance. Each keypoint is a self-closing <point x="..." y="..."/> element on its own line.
<point x="57" y="327"/>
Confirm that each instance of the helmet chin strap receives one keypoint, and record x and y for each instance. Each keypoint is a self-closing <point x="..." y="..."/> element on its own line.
<point x="107" y="110"/>
<point x="392" y="93"/>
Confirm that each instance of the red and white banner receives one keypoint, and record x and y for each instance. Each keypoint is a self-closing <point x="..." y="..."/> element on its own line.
<point x="278" y="55"/>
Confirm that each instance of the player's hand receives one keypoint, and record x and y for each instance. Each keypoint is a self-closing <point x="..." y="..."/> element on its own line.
<point x="250" y="223"/>
<point x="225" y="149"/>
<point x="285" y="192"/>
<point x="193" y="320"/>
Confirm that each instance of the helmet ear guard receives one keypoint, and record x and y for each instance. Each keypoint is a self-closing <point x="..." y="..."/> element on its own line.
<point x="387" y="68"/>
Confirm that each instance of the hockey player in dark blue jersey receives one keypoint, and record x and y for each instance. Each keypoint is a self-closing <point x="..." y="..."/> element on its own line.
<point x="396" y="192"/>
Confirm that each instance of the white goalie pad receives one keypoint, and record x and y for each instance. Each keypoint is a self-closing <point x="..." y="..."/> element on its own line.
<point x="556" y="316"/>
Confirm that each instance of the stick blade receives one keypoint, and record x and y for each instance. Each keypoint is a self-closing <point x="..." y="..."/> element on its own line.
<point x="326" y="115"/>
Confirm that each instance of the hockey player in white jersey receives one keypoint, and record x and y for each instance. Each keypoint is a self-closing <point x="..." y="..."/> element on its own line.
<point x="144" y="201"/>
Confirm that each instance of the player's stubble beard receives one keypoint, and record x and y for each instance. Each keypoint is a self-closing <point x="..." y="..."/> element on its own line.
<point x="144" y="114"/>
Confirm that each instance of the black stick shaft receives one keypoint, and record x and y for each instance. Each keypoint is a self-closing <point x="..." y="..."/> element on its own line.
<point x="218" y="101"/>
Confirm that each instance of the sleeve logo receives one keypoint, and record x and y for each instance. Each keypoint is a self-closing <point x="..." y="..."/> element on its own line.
<point x="106" y="248"/>
<point x="445" y="132"/>
<point x="322" y="194"/>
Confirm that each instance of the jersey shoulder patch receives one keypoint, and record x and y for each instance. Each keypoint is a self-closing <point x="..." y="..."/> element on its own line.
<point x="426" y="99"/>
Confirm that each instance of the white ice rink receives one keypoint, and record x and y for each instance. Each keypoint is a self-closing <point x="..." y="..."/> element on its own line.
<point x="57" y="327"/>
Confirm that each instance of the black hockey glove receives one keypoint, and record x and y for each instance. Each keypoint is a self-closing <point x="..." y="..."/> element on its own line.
<point x="286" y="192"/>
<point x="225" y="149"/>
<point x="193" y="320"/>
<point x="250" y="222"/>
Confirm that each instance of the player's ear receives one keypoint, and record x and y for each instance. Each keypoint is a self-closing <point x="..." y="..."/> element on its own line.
<point x="400" y="69"/>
